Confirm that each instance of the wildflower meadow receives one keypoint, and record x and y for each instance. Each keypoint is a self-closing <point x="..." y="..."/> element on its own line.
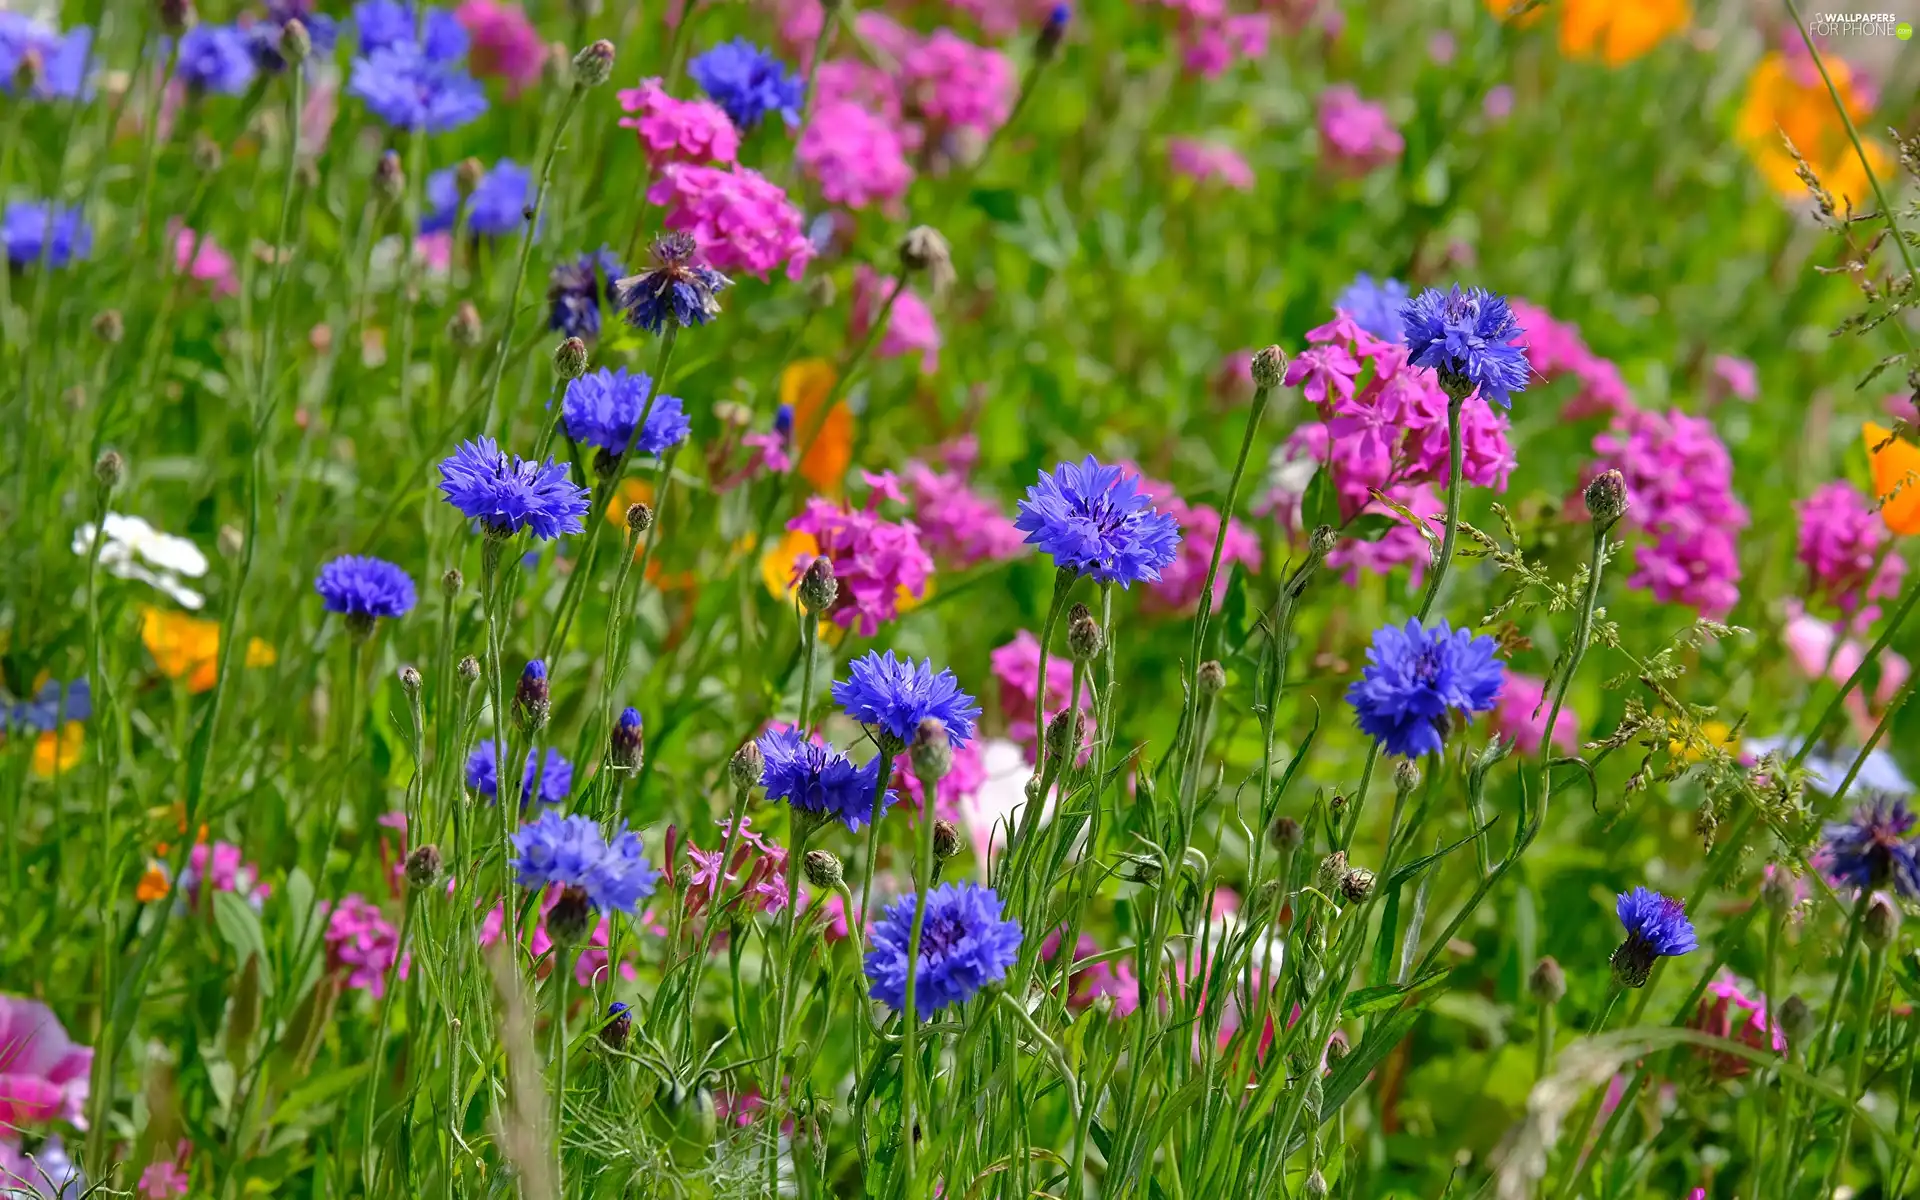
<point x="1167" y="599"/>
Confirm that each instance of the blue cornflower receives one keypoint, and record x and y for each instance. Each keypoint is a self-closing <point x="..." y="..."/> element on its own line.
<point x="51" y="707"/>
<point x="409" y="89"/>
<point x="1416" y="676"/>
<point x="1874" y="849"/>
<point x="1094" y="520"/>
<point x="215" y="58"/>
<point x="41" y="232"/>
<point x="625" y="743"/>
<point x="507" y="493"/>
<point x="554" y="782"/>
<point x="497" y="206"/>
<point x="383" y="24"/>
<point x="748" y="83"/>
<point x="1470" y="338"/>
<point x="570" y="851"/>
<point x="263" y="36"/>
<point x="1657" y="927"/>
<point x="602" y="407"/>
<point x="362" y="588"/>
<point x="676" y="289"/>
<point x="62" y="57"/>
<point x="815" y="778"/>
<point x="574" y="292"/>
<point x="964" y="946"/>
<point x="897" y="694"/>
<point x="1375" y="306"/>
<point x="619" y="1025"/>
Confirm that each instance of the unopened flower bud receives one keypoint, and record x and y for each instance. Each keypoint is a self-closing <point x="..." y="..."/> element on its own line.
<point x="110" y="326"/>
<point x="1777" y="890"/>
<point x="1357" y="885"/>
<point x="469" y="668"/>
<point x="639" y="518"/>
<point x="625" y="744"/>
<point x="467" y="175"/>
<point x="1212" y="677"/>
<point x="593" y="66"/>
<point x="1285" y="835"/>
<point x="207" y="155"/>
<point x="823" y="869"/>
<point x="1065" y="729"/>
<point x="818" y="588"/>
<point x="532" y="698"/>
<point x="569" y="917"/>
<point x="295" y="42"/>
<point x="1607" y="498"/>
<point x="1333" y="869"/>
<point x="1548" y="983"/>
<point x="110" y="468"/>
<point x="923" y="249"/>
<point x="1881" y="924"/>
<point x="1315" y="1188"/>
<point x="931" y="751"/>
<point x="1048" y="43"/>
<point x="946" y="840"/>
<point x="452" y="582"/>
<point x="1337" y="1048"/>
<point x="1084" y="638"/>
<point x="463" y="327"/>
<point x="570" y="358"/>
<point x="747" y="765"/>
<point x="1144" y="869"/>
<point x="820" y="290"/>
<point x="176" y="16"/>
<point x="1321" y="542"/>
<point x="606" y="464"/>
<point x="619" y="1026"/>
<point x="1796" y="1020"/>
<point x="389" y="177"/>
<point x="1406" y="776"/>
<point x="1269" y="368"/>
<point x="423" y="867"/>
<point x="410" y="680"/>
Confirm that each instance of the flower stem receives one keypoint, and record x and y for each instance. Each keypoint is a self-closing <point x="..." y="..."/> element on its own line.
<point x="909" y="1010"/>
<point x="1454" y="483"/>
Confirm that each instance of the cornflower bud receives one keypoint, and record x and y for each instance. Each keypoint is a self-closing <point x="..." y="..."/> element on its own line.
<point x="1547" y="983"/>
<point x="389" y="177"/>
<point x="1066" y="728"/>
<point x="1212" y="677"/>
<point x="569" y="917"/>
<point x="1085" y="641"/>
<point x="467" y="176"/>
<point x="207" y="155"/>
<point x="818" y="588"/>
<point x="931" y="752"/>
<point x="619" y="1026"/>
<point x="747" y="765"/>
<point x="110" y="326"/>
<point x="639" y="518"/>
<point x="295" y="42"/>
<point x="423" y="867"/>
<point x="624" y="744"/>
<point x="1285" y="835"/>
<point x="1051" y="33"/>
<point x="946" y="840"/>
<point x="923" y="249"/>
<point x="1881" y="924"/>
<point x="1321" y="542"/>
<point x="110" y="468"/>
<point x="452" y="582"/>
<point x="410" y="680"/>
<point x="1606" y="498"/>
<point x="463" y="327"/>
<point x="469" y="668"/>
<point x="1796" y="1020"/>
<point x="570" y="358"/>
<point x="176" y="15"/>
<point x="1406" y="776"/>
<point x="1333" y="869"/>
<point x="593" y="66"/>
<point x="1357" y="885"/>
<point x="823" y="869"/>
<point x="532" y="698"/>
<point x="820" y="290"/>
<point x="1269" y="368"/>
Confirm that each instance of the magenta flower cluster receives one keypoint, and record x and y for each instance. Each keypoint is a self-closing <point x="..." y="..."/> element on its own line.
<point x="739" y="221"/>
<point x="1555" y="350"/>
<point x="1181" y="581"/>
<point x="876" y="562"/>
<point x="362" y="944"/>
<point x="1680" y="493"/>
<point x="1356" y="135"/>
<point x="1841" y="545"/>
<point x="683" y="131"/>
<point x="958" y="525"/>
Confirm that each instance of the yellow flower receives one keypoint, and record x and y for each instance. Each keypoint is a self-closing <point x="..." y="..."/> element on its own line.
<point x="1618" y="31"/>
<point x="776" y="565"/>
<point x="56" y="753"/>
<point x="1896" y="478"/>
<point x="188" y="648"/>
<point x="1790" y="98"/>
<point x="828" y="440"/>
<point x="1712" y="731"/>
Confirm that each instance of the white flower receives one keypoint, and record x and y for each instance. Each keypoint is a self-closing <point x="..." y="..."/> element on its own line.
<point x="136" y="550"/>
<point x="991" y="812"/>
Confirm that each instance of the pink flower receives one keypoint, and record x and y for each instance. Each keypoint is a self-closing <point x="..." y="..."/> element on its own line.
<point x="1325" y="370"/>
<point x="1727" y="1012"/>
<point x="1000" y="18"/>
<point x="888" y="37"/>
<point x="879" y="564"/>
<point x="43" y="1074"/>
<point x="1841" y="540"/>
<point x="910" y="324"/>
<point x="1739" y="376"/>
<point x="960" y="526"/>
<point x="1520" y="714"/>
<point x="1355" y="134"/>
<point x="1210" y="47"/>
<point x="670" y="130"/>
<point x="1016" y="666"/>
<point x="1498" y="104"/>
<point x="855" y="155"/>
<point x="220" y="864"/>
<point x="1181" y="581"/>
<point x="1555" y="349"/>
<point x="849" y="81"/>
<point x="955" y="84"/>
<point x="1111" y="978"/>
<point x="1811" y="641"/>
<point x="1209" y="162"/>
<point x="962" y="782"/>
<point x="1401" y="546"/>
<point x="739" y="220"/>
<point x="1679" y="480"/>
<point x="166" y="1177"/>
<point x="502" y="42"/>
<point x="201" y="259"/>
<point x="361" y="942"/>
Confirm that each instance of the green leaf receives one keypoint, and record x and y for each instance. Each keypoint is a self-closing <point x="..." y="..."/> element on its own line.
<point x="1384" y="996"/>
<point x="1371" y="527"/>
<point x="240" y="926"/>
<point x="1321" y="504"/>
<point x="1406" y="872"/>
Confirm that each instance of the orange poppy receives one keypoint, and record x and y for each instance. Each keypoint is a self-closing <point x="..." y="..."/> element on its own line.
<point x="188" y="648"/>
<point x="1618" y="31"/>
<point x="1518" y="13"/>
<point x="828" y="441"/>
<point x="1789" y="97"/>
<point x="1896" y="478"/>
